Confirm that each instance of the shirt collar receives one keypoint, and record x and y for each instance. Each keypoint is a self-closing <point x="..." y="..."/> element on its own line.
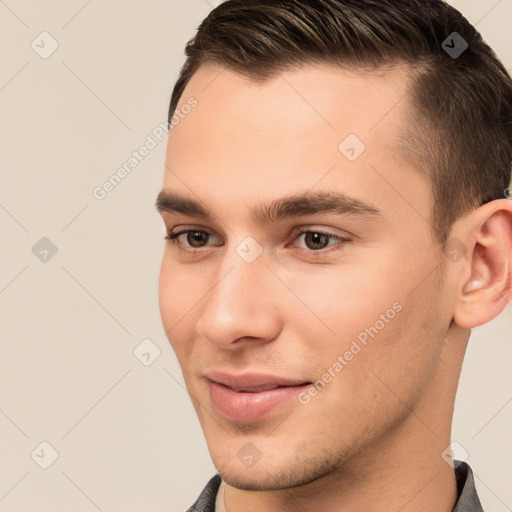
<point x="467" y="500"/>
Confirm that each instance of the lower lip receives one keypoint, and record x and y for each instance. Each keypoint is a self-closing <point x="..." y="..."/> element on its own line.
<point x="250" y="406"/>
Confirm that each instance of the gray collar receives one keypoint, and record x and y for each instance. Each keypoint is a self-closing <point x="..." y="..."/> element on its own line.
<point x="467" y="501"/>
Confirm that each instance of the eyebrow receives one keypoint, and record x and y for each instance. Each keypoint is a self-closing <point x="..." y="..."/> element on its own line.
<point x="307" y="203"/>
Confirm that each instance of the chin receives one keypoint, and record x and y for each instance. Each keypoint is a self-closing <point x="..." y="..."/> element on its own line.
<point x="276" y="474"/>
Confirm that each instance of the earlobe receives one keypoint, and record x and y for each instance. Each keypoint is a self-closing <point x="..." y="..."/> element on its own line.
<point x="486" y="282"/>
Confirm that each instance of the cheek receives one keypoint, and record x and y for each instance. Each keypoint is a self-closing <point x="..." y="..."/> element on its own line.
<point x="393" y="360"/>
<point x="344" y="301"/>
<point x="377" y="318"/>
<point x="178" y="292"/>
<point x="167" y="299"/>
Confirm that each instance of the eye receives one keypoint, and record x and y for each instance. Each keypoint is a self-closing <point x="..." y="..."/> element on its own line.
<point x="316" y="240"/>
<point x="195" y="238"/>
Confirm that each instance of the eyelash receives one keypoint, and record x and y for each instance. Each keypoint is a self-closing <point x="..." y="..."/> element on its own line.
<point x="173" y="238"/>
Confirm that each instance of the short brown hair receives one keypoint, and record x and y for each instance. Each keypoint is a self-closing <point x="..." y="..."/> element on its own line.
<point x="460" y="132"/>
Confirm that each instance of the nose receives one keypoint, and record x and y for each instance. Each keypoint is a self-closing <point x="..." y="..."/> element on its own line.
<point x="243" y="304"/>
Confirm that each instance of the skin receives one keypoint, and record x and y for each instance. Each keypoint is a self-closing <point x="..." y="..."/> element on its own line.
<point x="372" y="439"/>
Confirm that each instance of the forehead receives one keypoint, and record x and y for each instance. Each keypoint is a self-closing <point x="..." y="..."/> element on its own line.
<point x="309" y="102"/>
<point x="314" y="127"/>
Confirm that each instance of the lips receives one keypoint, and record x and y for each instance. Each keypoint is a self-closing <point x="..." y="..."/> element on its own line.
<point x="252" y="381"/>
<point x="250" y="396"/>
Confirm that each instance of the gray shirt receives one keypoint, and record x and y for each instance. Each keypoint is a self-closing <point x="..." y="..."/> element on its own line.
<point x="467" y="500"/>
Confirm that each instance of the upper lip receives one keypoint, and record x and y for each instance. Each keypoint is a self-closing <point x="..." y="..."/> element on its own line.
<point x="252" y="381"/>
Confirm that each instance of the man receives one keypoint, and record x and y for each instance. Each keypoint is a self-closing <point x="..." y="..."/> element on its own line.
<point x="335" y="197"/>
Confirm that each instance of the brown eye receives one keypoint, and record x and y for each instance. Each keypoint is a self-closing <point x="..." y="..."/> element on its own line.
<point x="189" y="239"/>
<point x="315" y="240"/>
<point x="195" y="238"/>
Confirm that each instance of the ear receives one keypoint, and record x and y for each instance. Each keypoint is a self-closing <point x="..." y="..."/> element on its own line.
<point x="484" y="283"/>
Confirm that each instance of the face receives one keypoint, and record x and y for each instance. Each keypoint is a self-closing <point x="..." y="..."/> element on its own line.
<point x="306" y="310"/>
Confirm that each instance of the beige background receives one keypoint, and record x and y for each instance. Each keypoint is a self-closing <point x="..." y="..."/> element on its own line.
<point x="126" y="434"/>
